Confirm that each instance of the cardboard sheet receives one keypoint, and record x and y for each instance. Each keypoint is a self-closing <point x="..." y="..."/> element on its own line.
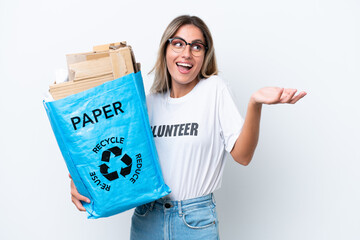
<point x="87" y="70"/>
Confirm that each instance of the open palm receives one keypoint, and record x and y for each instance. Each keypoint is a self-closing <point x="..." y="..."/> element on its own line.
<point x="275" y="95"/>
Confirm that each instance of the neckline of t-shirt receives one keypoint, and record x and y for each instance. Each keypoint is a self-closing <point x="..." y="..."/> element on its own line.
<point x="183" y="98"/>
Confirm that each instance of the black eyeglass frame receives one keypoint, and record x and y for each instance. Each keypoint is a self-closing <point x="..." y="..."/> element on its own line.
<point x="186" y="43"/>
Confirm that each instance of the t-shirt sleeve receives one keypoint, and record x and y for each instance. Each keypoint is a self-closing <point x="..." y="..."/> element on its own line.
<point x="230" y="119"/>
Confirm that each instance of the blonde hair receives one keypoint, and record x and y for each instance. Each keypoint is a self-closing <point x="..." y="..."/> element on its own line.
<point x="162" y="80"/>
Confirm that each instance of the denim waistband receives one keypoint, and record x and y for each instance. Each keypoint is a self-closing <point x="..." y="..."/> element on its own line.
<point x="187" y="201"/>
<point x="178" y="206"/>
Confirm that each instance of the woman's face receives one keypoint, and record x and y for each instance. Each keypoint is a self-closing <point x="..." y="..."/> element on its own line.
<point x="183" y="66"/>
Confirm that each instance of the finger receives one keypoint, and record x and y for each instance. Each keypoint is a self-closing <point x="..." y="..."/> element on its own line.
<point x="288" y="95"/>
<point x="298" y="97"/>
<point x="76" y="194"/>
<point x="280" y="93"/>
<point x="78" y="204"/>
<point x="277" y="92"/>
<point x="70" y="176"/>
<point x="80" y="197"/>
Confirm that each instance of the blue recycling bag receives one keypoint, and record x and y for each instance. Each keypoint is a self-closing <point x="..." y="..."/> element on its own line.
<point x="105" y="138"/>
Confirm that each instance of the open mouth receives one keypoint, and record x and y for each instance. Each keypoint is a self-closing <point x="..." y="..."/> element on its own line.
<point x="184" y="67"/>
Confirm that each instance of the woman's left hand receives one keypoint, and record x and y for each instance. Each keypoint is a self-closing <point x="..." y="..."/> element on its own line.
<point x="275" y="95"/>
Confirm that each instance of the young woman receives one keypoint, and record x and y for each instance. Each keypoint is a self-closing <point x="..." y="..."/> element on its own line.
<point x="194" y="121"/>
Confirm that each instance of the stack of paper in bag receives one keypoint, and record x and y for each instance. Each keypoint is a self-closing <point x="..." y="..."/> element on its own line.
<point x="87" y="70"/>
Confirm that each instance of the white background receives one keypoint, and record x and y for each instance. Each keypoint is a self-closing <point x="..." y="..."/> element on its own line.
<point x="303" y="182"/>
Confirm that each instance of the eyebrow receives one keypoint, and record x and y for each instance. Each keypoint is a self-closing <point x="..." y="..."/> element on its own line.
<point x="196" y="40"/>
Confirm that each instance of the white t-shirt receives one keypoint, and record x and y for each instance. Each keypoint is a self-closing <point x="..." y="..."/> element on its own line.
<point x="191" y="135"/>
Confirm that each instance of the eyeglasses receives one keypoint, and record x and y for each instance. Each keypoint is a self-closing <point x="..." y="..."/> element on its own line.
<point x="178" y="45"/>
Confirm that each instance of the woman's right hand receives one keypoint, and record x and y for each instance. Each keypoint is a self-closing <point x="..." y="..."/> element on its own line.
<point x="76" y="197"/>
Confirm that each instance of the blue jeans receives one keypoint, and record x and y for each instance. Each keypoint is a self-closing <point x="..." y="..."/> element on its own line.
<point x="163" y="219"/>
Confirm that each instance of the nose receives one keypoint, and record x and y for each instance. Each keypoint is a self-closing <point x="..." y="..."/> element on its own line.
<point x="187" y="51"/>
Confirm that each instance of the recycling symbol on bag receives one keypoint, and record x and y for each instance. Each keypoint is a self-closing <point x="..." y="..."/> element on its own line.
<point x="104" y="168"/>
